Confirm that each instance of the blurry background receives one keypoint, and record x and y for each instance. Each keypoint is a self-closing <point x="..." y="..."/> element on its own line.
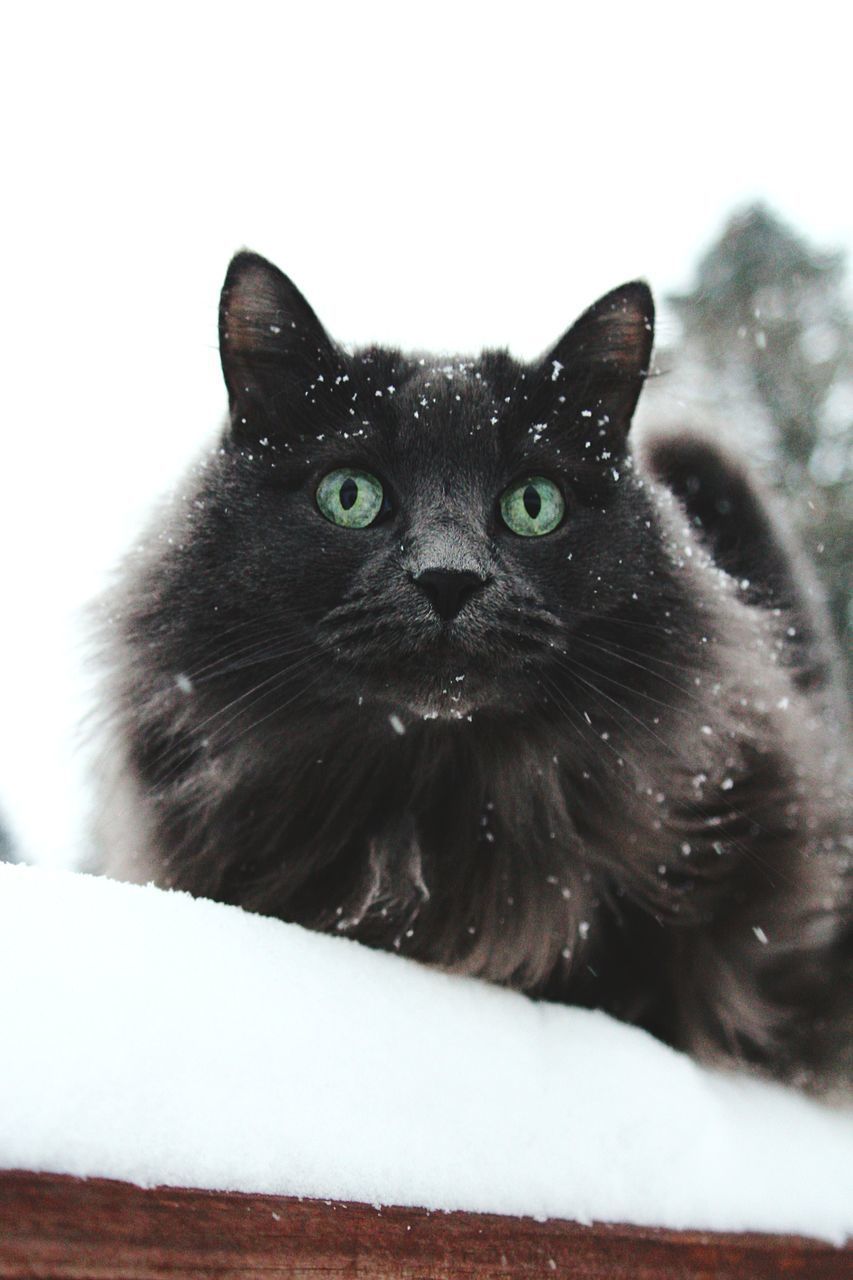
<point x="440" y="175"/>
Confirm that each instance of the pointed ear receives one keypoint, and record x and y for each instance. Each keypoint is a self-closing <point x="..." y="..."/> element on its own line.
<point x="598" y="367"/>
<point x="272" y="347"/>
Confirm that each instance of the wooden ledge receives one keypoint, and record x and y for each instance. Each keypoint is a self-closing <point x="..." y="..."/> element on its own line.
<point x="56" y="1226"/>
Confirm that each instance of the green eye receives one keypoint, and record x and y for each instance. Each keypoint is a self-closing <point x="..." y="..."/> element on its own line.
<point x="533" y="507"/>
<point x="350" y="498"/>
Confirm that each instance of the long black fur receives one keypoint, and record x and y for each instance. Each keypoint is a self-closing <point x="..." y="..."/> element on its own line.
<point x="615" y="778"/>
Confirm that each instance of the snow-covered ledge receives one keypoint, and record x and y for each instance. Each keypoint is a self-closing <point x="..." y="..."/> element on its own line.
<point x="162" y="1040"/>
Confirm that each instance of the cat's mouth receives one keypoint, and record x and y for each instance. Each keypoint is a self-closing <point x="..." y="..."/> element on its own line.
<point x="441" y="670"/>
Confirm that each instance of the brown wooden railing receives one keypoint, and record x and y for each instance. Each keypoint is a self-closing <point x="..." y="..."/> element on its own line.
<point x="71" y="1229"/>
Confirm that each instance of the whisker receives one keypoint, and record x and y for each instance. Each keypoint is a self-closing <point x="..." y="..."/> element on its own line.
<point x="276" y="633"/>
<point x="572" y="662"/>
<point x="746" y="850"/>
<point x="254" y="658"/>
<point x="254" y="693"/>
<point x="641" y="666"/>
<point x="229" y="742"/>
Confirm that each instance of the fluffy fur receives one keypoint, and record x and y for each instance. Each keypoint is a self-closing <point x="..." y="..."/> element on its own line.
<point x="612" y="777"/>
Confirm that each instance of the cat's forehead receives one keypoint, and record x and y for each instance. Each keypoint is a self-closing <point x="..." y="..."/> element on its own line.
<point x="446" y="407"/>
<point x="446" y="418"/>
<point x="451" y="390"/>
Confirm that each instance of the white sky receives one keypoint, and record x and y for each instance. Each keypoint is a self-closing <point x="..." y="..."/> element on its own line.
<point x="439" y="175"/>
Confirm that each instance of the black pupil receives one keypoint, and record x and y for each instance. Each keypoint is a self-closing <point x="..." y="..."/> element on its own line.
<point x="532" y="501"/>
<point x="348" y="493"/>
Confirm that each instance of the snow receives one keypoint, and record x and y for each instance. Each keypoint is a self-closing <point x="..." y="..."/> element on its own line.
<point x="156" y="1038"/>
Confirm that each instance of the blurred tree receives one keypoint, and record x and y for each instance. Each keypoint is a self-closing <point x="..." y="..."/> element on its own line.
<point x="768" y="313"/>
<point x="5" y="845"/>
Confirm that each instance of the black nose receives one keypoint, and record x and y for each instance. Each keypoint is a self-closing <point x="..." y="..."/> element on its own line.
<point x="448" y="589"/>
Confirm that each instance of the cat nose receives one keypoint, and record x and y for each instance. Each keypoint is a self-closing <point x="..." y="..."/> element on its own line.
<point x="448" y="589"/>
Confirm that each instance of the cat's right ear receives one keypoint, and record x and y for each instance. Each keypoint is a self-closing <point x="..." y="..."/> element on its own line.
<point x="598" y="368"/>
<point x="273" y="349"/>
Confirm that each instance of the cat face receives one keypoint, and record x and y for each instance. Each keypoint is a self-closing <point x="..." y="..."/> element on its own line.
<point x="438" y="530"/>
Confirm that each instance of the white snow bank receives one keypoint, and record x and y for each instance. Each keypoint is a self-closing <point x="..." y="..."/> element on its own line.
<point x="155" y="1038"/>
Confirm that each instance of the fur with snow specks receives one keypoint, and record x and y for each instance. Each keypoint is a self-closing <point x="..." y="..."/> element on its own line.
<point x="615" y="778"/>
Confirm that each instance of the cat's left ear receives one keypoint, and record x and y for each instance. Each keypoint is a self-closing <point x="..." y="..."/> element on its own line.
<point x="273" y="348"/>
<point x="598" y="367"/>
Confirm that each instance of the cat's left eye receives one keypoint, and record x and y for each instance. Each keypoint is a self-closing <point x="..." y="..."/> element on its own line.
<point x="532" y="507"/>
<point x="352" y="499"/>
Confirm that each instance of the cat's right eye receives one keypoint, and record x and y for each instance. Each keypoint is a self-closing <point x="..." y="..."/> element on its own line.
<point x="352" y="499"/>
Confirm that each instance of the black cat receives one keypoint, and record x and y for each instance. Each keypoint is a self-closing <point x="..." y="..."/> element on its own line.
<point x="424" y="656"/>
